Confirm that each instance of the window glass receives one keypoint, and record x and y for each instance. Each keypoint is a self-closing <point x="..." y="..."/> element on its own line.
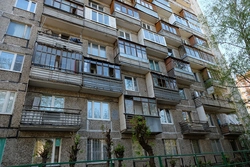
<point x="196" y="147"/>
<point x="96" y="149"/>
<point x="6" y="101"/>
<point x="129" y="106"/>
<point x="98" y="110"/>
<point x="170" y="147"/>
<point x="22" y="4"/>
<point x="6" y="60"/>
<point x="165" y="116"/>
<point x="19" y="30"/>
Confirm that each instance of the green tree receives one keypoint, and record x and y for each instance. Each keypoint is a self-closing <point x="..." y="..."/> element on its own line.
<point x="74" y="149"/>
<point x="228" y="23"/>
<point x="141" y="133"/>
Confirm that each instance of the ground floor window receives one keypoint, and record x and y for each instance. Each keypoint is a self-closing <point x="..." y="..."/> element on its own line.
<point x="170" y="147"/>
<point x="47" y="150"/>
<point x="96" y="149"/>
<point x="195" y="146"/>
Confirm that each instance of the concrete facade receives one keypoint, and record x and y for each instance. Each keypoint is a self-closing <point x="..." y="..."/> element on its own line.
<point x="71" y="85"/>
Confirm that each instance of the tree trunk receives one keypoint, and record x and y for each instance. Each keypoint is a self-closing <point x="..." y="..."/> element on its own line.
<point x="149" y="150"/>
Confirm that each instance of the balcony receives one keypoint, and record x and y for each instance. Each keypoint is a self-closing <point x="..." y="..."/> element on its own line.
<point x="187" y="28"/>
<point x="99" y="25"/>
<point x="44" y="77"/>
<point x="131" y="56"/>
<point x="163" y="7"/>
<point x="163" y="88"/>
<point x="130" y="106"/>
<point x="199" y="43"/>
<point x="197" y="59"/>
<point x="70" y="12"/>
<point x="170" y="32"/>
<point x="194" y="128"/>
<point x="126" y="16"/>
<point x="71" y="43"/>
<point x="102" y="78"/>
<point x="231" y="130"/>
<point x="50" y="119"/>
<point x="180" y="70"/>
<point x="147" y="10"/>
<point x="212" y="104"/>
<point x="156" y="44"/>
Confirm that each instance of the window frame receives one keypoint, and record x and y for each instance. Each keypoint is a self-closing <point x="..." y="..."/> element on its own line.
<point x="101" y="111"/>
<point x="103" y="16"/>
<point x="91" y="151"/>
<point x="196" y="143"/>
<point x="26" y="31"/>
<point x="166" y="116"/>
<point x="182" y="94"/>
<point x="6" y="102"/>
<point x="134" y="84"/>
<point x="90" y="50"/>
<point x="54" y="145"/>
<point x="124" y="35"/>
<point x="98" y="6"/>
<point x="154" y="65"/>
<point x="173" y="145"/>
<point x="13" y="61"/>
<point x="216" y="143"/>
<point x="137" y="103"/>
<point x="51" y="106"/>
<point x="154" y="37"/>
<point x="118" y="7"/>
<point x="210" y="120"/>
<point x="28" y="7"/>
<point x="99" y="65"/>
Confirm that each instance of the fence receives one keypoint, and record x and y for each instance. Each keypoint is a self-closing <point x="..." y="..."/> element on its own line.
<point x="223" y="159"/>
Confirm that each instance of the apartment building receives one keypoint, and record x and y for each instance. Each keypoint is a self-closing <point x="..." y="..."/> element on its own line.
<point x="74" y="66"/>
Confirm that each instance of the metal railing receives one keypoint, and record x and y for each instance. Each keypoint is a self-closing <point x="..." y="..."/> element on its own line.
<point x="194" y="126"/>
<point x="215" y="159"/>
<point x="50" y="116"/>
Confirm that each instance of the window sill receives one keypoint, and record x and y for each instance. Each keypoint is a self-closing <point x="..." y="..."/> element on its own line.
<point x="10" y="71"/>
<point x="93" y="119"/>
<point x="5" y="113"/>
<point x="167" y="123"/>
<point x="25" y="10"/>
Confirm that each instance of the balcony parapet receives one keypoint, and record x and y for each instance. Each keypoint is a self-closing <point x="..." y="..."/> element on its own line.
<point x="195" y="128"/>
<point x="50" y="119"/>
<point x="231" y="129"/>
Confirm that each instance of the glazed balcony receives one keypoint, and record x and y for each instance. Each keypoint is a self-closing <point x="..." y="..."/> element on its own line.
<point x="215" y="104"/>
<point x="126" y="16"/>
<point x="65" y="10"/>
<point x="131" y="106"/>
<point x="71" y="43"/>
<point x="131" y="56"/>
<point x="147" y="10"/>
<point x="163" y="88"/>
<point x="170" y="32"/>
<point x="163" y="7"/>
<point x="195" y="128"/>
<point x="199" y="43"/>
<point x="231" y="130"/>
<point x="180" y="70"/>
<point x="186" y="28"/>
<point x="101" y="78"/>
<point x="197" y="59"/>
<point x="50" y="119"/>
<point x="155" y="43"/>
<point x="99" y="25"/>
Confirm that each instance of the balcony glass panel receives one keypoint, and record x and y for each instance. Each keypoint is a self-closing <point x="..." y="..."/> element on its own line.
<point x="190" y="15"/>
<point x="125" y="10"/>
<point x="164" y="82"/>
<point x="102" y="68"/>
<point x="181" y="20"/>
<point x="140" y="106"/>
<point x="56" y="58"/>
<point x="132" y="49"/>
<point x="182" y="66"/>
<point x="145" y="4"/>
<point x="168" y="28"/>
<point x="199" y="54"/>
<point x="66" y="6"/>
<point x="194" y="27"/>
<point x="192" y="52"/>
<point x="154" y="37"/>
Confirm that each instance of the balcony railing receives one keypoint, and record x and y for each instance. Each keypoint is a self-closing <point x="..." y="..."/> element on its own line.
<point x="48" y="118"/>
<point x="231" y="129"/>
<point x="195" y="128"/>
